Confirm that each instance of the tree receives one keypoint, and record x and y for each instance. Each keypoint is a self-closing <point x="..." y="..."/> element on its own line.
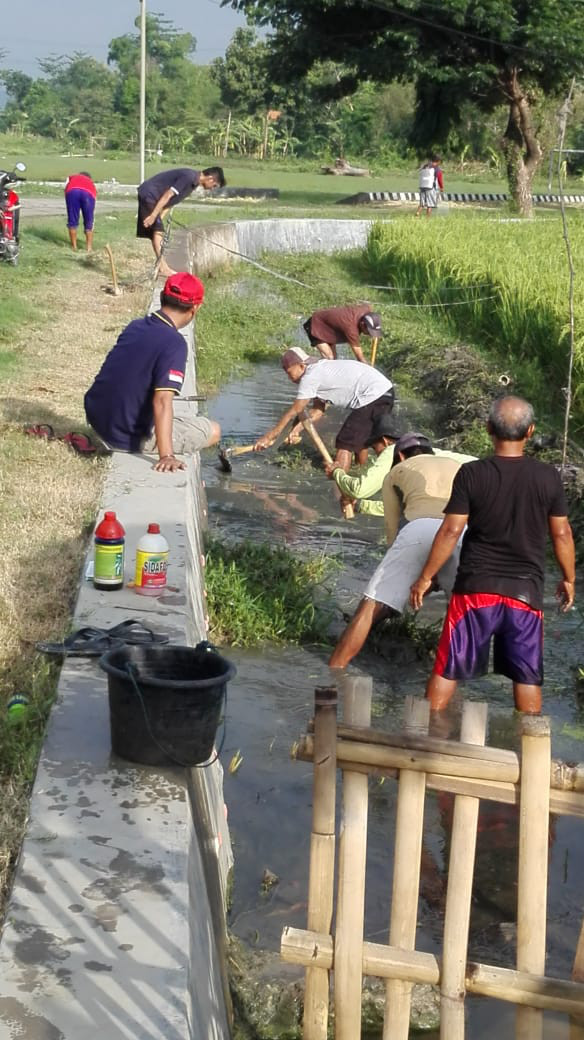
<point x="242" y="75"/>
<point x="515" y="52"/>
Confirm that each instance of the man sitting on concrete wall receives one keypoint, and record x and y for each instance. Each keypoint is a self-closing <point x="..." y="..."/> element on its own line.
<point x="130" y="405"/>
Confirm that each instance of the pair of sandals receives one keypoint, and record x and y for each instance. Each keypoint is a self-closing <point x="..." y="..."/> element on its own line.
<point x="93" y="642"/>
<point x="77" y="441"/>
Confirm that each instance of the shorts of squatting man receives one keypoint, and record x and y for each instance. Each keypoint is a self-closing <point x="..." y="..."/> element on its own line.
<point x="472" y="620"/>
<point x="358" y="426"/>
<point x="188" y="436"/>
<point x="403" y="562"/>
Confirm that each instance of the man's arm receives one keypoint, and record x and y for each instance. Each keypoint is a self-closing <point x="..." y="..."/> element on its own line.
<point x="443" y="546"/>
<point x="563" y="543"/>
<point x="358" y="351"/>
<point x="162" y="404"/>
<point x="269" y="437"/>
<point x="160" y="205"/>
<point x="366" y="485"/>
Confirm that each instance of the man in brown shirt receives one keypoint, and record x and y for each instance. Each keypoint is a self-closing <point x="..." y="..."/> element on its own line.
<point x="342" y="325"/>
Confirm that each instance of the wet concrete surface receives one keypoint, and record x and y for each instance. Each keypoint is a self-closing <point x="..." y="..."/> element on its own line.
<point x="271" y="699"/>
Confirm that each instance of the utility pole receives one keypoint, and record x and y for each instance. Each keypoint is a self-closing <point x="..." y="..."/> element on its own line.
<point x="142" y="88"/>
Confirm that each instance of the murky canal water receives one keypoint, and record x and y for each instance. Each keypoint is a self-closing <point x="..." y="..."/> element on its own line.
<point x="269" y="798"/>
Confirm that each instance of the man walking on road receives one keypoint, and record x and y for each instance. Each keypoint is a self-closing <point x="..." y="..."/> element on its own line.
<point x="347" y="384"/>
<point x="509" y="501"/>
<point x="166" y="189"/>
<point x="335" y="325"/>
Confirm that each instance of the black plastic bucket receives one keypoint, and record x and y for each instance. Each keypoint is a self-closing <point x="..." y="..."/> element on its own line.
<point x="165" y="702"/>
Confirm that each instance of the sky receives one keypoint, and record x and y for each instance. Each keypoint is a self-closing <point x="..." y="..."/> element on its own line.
<point x="33" y="29"/>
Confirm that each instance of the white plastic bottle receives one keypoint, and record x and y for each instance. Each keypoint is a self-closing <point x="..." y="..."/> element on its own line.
<point x="151" y="563"/>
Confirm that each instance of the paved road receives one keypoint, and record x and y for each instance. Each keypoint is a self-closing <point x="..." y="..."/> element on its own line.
<point x="51" y="207"/>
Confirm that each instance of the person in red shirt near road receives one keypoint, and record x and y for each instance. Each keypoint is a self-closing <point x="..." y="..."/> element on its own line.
<point x="80" y="196"/>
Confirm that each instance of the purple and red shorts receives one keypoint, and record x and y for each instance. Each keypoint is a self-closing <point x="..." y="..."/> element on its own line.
<point x="472" y="620"/>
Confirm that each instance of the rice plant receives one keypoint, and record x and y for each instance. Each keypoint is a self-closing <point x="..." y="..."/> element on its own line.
<point x="502" y="283"/>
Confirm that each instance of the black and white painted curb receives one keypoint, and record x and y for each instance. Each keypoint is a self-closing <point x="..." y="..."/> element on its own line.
<point x="413" y="196"/>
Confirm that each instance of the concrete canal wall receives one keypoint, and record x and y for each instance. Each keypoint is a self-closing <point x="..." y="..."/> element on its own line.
<point x="116" y="923"/>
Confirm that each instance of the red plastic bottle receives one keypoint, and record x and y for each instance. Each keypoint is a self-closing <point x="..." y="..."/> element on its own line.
<point x="109" y="543"/>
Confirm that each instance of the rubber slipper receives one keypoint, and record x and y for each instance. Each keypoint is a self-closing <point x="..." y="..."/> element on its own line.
<point x="40" y="430"/>
<point x="85" y="642"/>
<point x="80" y="443"/>
<point x="135" y="633"/>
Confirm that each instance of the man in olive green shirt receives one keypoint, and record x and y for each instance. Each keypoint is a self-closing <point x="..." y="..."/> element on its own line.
<point x="382" y="440"/>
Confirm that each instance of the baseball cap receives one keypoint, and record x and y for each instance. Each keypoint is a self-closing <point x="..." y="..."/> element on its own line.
<point x="370" y="324"/>
<point x="184" y="288"/>
<point x="382" y="427"/>
<point x="412" y="440"/>
<point x="296" y="356"/>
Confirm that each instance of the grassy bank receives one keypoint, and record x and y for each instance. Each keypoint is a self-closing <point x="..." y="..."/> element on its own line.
<point x="56" y="324"/>
<point x="502" y="284"/>
<point x="260" y="593"/>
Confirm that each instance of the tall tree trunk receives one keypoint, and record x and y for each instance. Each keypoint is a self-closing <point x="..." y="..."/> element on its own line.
<point x="521" y="148"/>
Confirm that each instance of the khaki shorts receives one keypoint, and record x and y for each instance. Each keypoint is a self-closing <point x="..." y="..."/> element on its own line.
<point x="188" y="436"/>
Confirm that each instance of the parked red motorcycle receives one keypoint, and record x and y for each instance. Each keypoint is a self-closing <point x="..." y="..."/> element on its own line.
<point x="10" y="213"/>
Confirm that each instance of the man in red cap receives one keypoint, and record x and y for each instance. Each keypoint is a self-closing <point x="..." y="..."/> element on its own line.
<point x="130" y="404"/>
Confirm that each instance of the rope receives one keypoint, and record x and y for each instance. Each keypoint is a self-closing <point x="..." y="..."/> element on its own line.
<point x="303" y="285"/>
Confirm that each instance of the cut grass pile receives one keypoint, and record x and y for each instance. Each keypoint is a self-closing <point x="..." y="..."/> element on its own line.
<point x="504" y="284"/>
<point x="257" y="593"/>
<point x="57" y="324"/>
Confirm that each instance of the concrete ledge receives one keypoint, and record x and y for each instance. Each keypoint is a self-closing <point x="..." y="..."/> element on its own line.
<point x="110" y="931"/>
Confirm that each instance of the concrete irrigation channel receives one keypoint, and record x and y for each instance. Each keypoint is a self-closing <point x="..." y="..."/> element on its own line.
<point x="118" y="922"/>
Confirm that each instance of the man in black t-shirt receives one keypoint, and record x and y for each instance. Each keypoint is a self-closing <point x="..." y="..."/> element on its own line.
<point x="165" y="189"/>
<point x="509" y="501"/>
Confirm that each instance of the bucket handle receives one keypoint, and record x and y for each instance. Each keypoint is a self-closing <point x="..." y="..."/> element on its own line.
<point x="131" y="672"/>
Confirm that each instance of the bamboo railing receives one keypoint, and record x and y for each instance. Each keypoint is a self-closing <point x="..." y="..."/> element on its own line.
<point x="470" y="771"/>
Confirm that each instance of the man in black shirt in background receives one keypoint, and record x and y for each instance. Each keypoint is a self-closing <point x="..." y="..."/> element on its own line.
<point x="509" y="501"/>
<point x="166" y="189"/>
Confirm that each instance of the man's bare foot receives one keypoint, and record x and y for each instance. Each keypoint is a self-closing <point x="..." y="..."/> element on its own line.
<point x="164" y="270"/>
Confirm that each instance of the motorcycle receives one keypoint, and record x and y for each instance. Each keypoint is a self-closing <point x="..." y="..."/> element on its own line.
<point x="10" y="213"/>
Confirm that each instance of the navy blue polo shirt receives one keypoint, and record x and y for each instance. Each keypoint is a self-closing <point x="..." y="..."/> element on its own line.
<point x="149" y="355"/>
<point x="182" y="181"/>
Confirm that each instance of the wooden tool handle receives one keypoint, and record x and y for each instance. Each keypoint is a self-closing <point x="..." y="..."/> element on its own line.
<point x="348" y="511"/>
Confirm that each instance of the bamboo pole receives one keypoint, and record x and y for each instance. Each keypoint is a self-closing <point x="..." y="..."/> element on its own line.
<point x="352" y="856"/>
<point x="116" y="289"/>
<point x="322" y="855"/>
<point x="307" y="423"/>
<point x="385" y="962"/>
<point x="409" y="829"/>
<point x="564" y="777"/>
<point x="374" y="343"/>
<point x="534" y="818"/>
<point x="577" y="1023"/>
<point x="459" y="892"/>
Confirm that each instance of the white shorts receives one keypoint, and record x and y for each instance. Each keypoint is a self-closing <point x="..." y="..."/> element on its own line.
<point x="403" y="561"/>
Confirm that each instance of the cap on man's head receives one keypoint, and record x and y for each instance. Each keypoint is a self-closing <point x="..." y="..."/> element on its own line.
<point x="370" y="324"/>
<point x="412" y="440"/>
<point x="296" y="356"/>
<point x="184" y="288"/>
<point x="382" y="427"/>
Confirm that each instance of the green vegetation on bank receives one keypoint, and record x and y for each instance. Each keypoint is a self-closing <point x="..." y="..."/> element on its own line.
<point x="257" y="593"/>
<point x="502" y="284"/>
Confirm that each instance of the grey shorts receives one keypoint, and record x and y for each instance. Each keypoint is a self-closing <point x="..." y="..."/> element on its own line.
<point x="188" y="435"/>
<point x="403" y="562"/>
<point x="428" y="198"/>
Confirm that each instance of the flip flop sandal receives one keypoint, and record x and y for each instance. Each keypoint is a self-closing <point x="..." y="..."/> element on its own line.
<point x="79" y="443"/>
<point x="135" y="633"/>
<point x="40" y="430"/>
<point x="85" y="642"/>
